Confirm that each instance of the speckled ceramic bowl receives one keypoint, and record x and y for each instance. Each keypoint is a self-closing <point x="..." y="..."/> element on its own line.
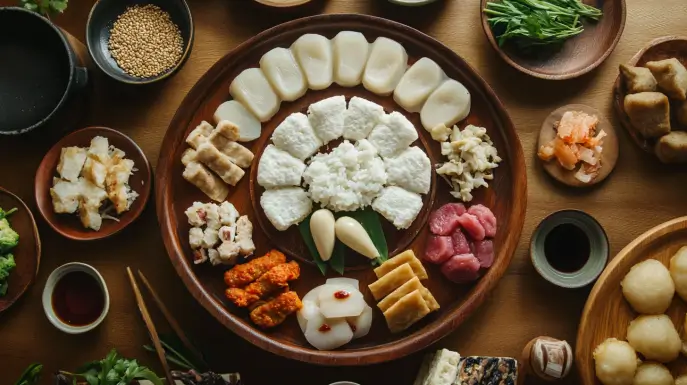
<point x="598" y="249"/>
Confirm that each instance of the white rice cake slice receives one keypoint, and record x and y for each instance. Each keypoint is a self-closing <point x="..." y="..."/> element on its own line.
<point x="411" y="170"/>
<point x="417" y="84"/>
<point x="443" y="369"/>
<point x="447" y="105"/>
<point x="233" y="111"/>
<point x="278" y="168"/>
<point x="385" y="66"/>
<point x="71" y="162"/>
<point x="393" y="135"/>
<point x="351" y="50"/>
<point x="314" y="54"/>
<point x="360" y="118"/>
<point x="252" y="89"/>
<point x="399" y="206"/>
<point x="327" y="118"/>
<point x="285" y="207"/>
<point x="296" y="136"/>
<point x="283" y="72"/>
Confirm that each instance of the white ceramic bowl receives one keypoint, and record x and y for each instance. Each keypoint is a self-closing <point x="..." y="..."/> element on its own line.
<point x="54" y="277"/>
<point x="344" y="383"/>
<point x="411" y="3"/>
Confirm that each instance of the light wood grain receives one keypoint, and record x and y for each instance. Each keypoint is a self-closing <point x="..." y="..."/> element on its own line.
<point x="607" y="314"/>
<point x="639" y="194"/>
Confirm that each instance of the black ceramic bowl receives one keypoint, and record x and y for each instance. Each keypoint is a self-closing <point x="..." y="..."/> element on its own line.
<point x="39" y="72"/>
<point x="103" y="15"/>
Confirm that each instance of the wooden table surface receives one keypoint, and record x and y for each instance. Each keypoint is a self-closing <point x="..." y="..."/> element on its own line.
<point x="639" y="194"/>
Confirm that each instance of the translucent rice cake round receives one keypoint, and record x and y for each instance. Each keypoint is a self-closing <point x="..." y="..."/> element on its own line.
<point x="411" y="170"/>
<point x="393" y="134"/>
<point x="399" y="206"/>
<point x="285" y="207"/>
<point x="296" y="136"/>
<point x="278" y="168"/>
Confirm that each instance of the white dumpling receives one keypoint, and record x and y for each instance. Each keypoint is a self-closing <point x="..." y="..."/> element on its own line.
<point x="648" y="287"/>
<point x="615" y="362"/>
<point x="314" y="54"/>
<point x="417" y="84"/>
<point x="332" y="305"/>
<point x="252" y="89"/>
<point x="447" y="105"/>
<point x="328" y="334"/>
<point x="284" y="74"/>
<point x="386" y="65"/>
<point x="678" y="271"/>
<point x="655" y="337"/>
<point x="351" y="50"/>
<point x="652" y="373"/>
<point x="233" y="111"/>
<point x="361" y="324"/>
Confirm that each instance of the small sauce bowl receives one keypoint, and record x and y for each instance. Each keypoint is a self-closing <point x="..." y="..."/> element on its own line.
<point x="565" y="228"/>
<point x="49" y="291"/>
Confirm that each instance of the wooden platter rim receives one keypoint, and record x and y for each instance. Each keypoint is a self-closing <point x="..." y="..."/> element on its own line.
<point x="619" y="93"/>
<point x="562" y="76"/>
<point x="368" y="355"/>
<point x="38" y="250"/>
<point x="584" y="371"/>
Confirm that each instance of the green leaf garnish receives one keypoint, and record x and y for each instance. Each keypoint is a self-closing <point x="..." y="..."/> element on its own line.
<point x="337" y="261"/>
<point x="46" y="8"/>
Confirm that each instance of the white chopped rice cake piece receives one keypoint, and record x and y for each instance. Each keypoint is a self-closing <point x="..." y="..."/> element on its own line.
<point x="199" y="134"/>
<point x="228" y="214"/>
<point x="65" y="196"/>
<point x="220" y="163"/>
<point x="212" y="217"/>
<point x="327" y="118"/>
<point x="117" y="184"/>
<point x="196" y="214"/>
<point x="296" y="136"/>
<point x="244" y="235"/>
<point x="195" y="237"/>
<point x="285" y="207"/>
<point x="360" y="118"/>
<point x="229" y="253"/>
<point x="411" y="170"/>
<point x="100" y="149"/>
<point x="91" y="194"/>
<point x="94" y="171"/>
<point x="399" y="206"/>
<point x="278" y="168"/>
<point x="200" y="256"/>
<point x="227" y="233"/>
<point x="237" y="154"/>
<point x="89" y="215"/>
<point x="443" y="369"/>
<point x="393" y="135"/>
<point x="71" y="162"/>
<point x="188" y="156"/>
<point x="210" y="238"/>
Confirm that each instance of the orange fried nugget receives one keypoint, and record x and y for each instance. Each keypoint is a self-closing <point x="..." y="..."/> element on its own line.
<point x="270" y="282"/>
<point x="275" y="311"/>
<point x="239" y="297"/>
<point x="241" y="275"/>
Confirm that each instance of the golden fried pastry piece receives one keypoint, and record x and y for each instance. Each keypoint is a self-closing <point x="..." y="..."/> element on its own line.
<point x="275" y="311"/>
<point x="405" y="289"/>
<point x="241" y="275"/>
<point x="389" y="282"/>
<point x="407" y="256"/>
<point x="638" y="79"/>
<point x="672" y="148"/>
<point x="649" y="113"/>
<point x="671" y="76"/>
<point x="406" y="312"/>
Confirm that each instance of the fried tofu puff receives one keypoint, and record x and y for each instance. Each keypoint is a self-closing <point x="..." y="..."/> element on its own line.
<point x="275" y="279"/>
<point x="275" y="311"/>
<point x="241" y="275"/>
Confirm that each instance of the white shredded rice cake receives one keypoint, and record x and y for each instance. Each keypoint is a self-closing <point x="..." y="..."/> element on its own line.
<point x="393" y="135"/>
<point x="411" y="170"/>
<point x="278" y="168"/>
<point x="286" y="206"/>
<point x="399" y="206"/>
<point x="361" y="117"/>
<point x="327" y="118"/>
<point x="296" y="136"/>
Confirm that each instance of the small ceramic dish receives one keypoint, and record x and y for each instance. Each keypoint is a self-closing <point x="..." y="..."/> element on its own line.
<point x="27" y="254"/>
<point x="344" y="383"/>
<point x="69" y="225"/>
<point x="105" y="12"/>
<point x="49" y="289"/>
<point x="609" y="156"/>
<point x="282" y="3"/>
<point x="577" y="56"/>
<point x="589" y="267"/>
<point x="412" y="3"/>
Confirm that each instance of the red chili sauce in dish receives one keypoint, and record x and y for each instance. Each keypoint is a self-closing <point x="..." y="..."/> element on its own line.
<point x="78" y="299"/>
<point x="342" y="294"/>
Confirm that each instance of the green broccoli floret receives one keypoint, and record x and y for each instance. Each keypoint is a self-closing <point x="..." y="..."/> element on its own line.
<point x="8" y="237"/>
<point x="6" y="265"/>
<point x="4" y="214"/>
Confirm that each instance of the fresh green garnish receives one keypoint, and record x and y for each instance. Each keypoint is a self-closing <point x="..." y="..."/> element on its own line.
<point x="46" y="8"/>
<point x="4" y="214"/>
<point x="534" y="23"/>
<point x="31" y="375"/>
<point x="337" y="261"/>
<point x="178" y="354"/>
<point x="7" y="264"/>
<point x="114" y="370"/>
<point x="8" y="237"/>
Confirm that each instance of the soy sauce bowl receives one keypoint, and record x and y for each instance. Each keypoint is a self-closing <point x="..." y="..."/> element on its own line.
<point x="49" y="290"/>
<point x="587" y="271"/>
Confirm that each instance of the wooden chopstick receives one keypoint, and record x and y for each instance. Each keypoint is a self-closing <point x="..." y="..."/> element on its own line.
<point x="171" y="320"/>
<point x="151" y="327"/>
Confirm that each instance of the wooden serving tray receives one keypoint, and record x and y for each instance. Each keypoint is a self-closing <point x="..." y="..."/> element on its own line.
<point x="506" y="196"/>
<point x="607" y="314"/>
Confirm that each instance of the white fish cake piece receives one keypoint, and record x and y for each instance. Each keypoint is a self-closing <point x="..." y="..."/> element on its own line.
<point x="65" y="196"/>
<point x="94" y="195"/>
<point x="278" y="168"/>
<point x="233" y="111"/>
<point x="252" y="89"/>
<point x="421" y="79"/>
<point x="285" y="207"/>
<point x="71" y="162"/>
<point x="283" y="72"/>
<point x="447" y="105"/>
<point x="89" y="215"/>
<point x="195" y="237"/>
<point x="94" y="171"/>
<point x="296" y="136"/>
<point x="386" y="65"/>
<point x="209" y="183"/>
<point x="351" y="50"/>
<point x="210" y="238"/>
<point x="219" y="163"/>
<point x="393" y="135"/>
<point x="360" y="118"/>
<point x="196" y="214"/>
<point x="199" y="134"/>
<point x="244" y="235"/>
<point x="314" y="55"/>
<point x="327" y="118"/>
<point x="411" y="170"/>
<point x="228" y="214"/>
<point x="100" y="149"/>
<point x="399" y="206"/>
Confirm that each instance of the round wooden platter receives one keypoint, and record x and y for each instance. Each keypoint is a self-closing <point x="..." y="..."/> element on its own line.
<point x="606" y="313"/>
<point x="578" y="55"/>
<point x="506" y="196"/>
<point x="27" y="254"/>
<point x="658" y="49"/>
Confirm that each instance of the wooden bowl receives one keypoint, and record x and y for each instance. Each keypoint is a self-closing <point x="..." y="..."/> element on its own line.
<point x="658" y="49"/>
<point x="578" y="55"/>
<point x="606" y="313"/>
<point x="506" y="196"/>
<point x="103" y="15"/>
<point x="27" y="254"/>
<point x="69" y="225"/>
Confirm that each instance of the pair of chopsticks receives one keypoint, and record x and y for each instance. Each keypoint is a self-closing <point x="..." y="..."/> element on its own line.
<point x="151" y="326"/>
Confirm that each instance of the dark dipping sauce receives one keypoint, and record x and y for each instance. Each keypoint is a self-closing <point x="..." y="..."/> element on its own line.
<point x="78" y="299"/>
<point x="567" y="248"/>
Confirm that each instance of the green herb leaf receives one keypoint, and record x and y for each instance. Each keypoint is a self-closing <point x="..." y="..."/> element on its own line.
<point x="147" y="374"/>
<point x="92" y="379"/>
<point x="337" y="261"/>
<point x="373" y="225"/>
<point x="304" y="228"/>
<point x="32" y="374"/>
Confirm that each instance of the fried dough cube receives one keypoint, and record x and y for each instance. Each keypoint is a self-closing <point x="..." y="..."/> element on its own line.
<point x="649" y="113"/>
<point x="672" y="148"/>
<point x="671" y="76"/>
<point x="638" y="79"/>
